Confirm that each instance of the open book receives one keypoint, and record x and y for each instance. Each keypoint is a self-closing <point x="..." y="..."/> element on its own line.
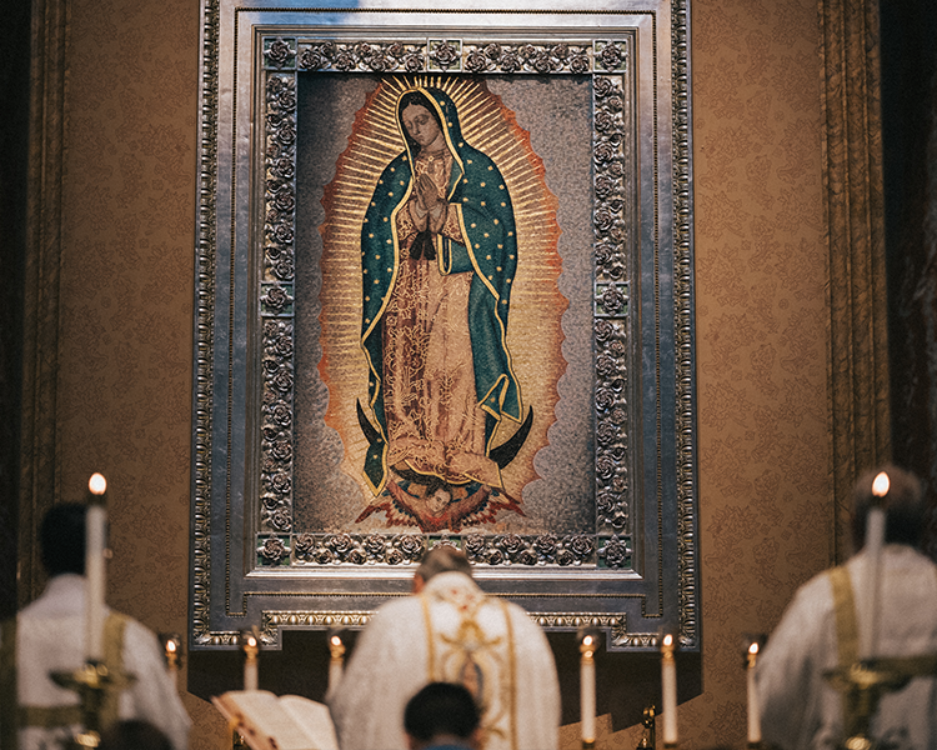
<point x="270" y="722"/>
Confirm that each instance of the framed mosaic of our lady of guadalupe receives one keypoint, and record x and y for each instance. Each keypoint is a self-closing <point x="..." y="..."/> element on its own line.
<point x="445" y="296"/>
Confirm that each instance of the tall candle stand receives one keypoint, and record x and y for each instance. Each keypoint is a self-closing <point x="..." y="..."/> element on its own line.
<point x="588" y="642"/>
<point x="865" y="683"/>
<point x="250" y="645"/>
<point x="753" y="645"/>
<point x="249" y="641"/>
<point x="93" y="682"/>
<point x="337" y="660"/>
<point x="172" y="649"/>
<point x="668" y="645"/>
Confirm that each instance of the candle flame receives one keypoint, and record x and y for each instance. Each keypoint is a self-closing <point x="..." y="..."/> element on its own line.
<point x="97" y="484"/>
<point x="336" y="641"/>
<point x="171" y="646"/>
<point x="587" y="641"/>
<point x="753" y="649"/>
<point x="668" y="639"/>
<point x="881" y="485"/>
<point x="251" y="641"/>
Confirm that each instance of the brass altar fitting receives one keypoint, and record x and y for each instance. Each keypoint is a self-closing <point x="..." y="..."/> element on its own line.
<point x="648" y="735"/>
<point x="92" y="681"/>
<point x="865" y="682"/>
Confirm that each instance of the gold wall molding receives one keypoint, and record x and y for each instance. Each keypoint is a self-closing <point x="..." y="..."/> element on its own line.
<point x="39" y="478"/>
<point x="860" y="422"/>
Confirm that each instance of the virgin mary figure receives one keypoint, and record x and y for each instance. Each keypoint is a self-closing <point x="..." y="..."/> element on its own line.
<point x="439" y="255"/>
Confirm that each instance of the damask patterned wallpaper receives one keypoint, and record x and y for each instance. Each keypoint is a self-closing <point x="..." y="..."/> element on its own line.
<point x="125" y="381"/>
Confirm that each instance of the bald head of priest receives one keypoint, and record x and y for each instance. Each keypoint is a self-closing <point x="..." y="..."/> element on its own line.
<point x="442" y="558"/>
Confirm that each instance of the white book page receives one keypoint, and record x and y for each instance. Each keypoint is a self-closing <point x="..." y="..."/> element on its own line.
<point x="263" y="722"/>
<point x="315" y="720"/>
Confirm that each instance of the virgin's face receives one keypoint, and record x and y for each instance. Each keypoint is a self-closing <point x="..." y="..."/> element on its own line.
<point x="421" y="125"/>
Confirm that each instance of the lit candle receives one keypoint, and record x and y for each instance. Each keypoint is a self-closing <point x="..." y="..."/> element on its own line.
<point x="337" y="662"/>
<point x="172" y="660"/>
<point x="754" y="719"/>
<point x="95" y="524"/>
<point x="251" y="649"/>
<point x="668" y="679"/>
<point x="587" y="689"/>
<point x="874" y="540"/>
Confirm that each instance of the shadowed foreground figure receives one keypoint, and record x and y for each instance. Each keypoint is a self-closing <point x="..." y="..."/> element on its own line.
<point x="442" y="716"/>
<point x="449" y="631"/>
<point x="133" y="734"/>
<point x="49" y="636"/>
<point x="820" y="630"/>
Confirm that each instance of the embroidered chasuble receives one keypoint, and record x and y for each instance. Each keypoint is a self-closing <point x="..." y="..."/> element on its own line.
<point x="450" y="632"/>
<point x="820" y="630"/>
<point x="49" y="635"/>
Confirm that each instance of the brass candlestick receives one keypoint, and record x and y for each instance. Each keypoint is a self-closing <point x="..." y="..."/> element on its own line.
<point x="648" y="738"/>
<point x="93" y="682"/>
<point x="865" y="683"/>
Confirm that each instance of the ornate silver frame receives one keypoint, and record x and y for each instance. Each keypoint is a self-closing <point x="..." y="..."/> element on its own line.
<point x="634" y="572"/>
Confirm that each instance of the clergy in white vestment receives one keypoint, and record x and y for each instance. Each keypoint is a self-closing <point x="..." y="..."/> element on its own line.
<point x="821" y="631"/>
<point x="449" y="631"/>
<point x="49" y="636"/>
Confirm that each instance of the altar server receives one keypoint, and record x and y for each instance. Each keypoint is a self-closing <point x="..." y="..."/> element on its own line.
<point x="49" y="636"/>
<point x="449" y="631"/>
<point x="821" y="630"/>
<point x="443" y="716"/>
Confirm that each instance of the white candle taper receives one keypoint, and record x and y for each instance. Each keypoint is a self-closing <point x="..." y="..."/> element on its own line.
<point x="874" y="541"/>
<point x="95" y="526"/>
<point x="337" y="662"/>
<point x="587" y="689"/>
<point x="754" y="718"/>
<point x="668" y="678"/>
<point x="251" y="667"/>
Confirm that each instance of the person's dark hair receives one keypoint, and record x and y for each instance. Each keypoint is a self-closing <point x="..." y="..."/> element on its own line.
<point x="417" y="98"/>
<point x="134" y="734"/>
<point x="904" y="507"/>
<point x="443" y="559"/>
<point x="62" y="538"/>
<point x="441" y="708"/>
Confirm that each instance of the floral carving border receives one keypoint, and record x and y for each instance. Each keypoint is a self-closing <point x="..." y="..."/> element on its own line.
<point x="609" y="60"/>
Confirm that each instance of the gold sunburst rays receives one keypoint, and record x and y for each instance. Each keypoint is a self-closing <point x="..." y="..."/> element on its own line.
<point x="534" y="332"/>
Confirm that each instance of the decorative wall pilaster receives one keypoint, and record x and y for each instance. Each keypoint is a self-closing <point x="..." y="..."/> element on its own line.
<point x="860" y="423"/>
<point x="39" y="468"/>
